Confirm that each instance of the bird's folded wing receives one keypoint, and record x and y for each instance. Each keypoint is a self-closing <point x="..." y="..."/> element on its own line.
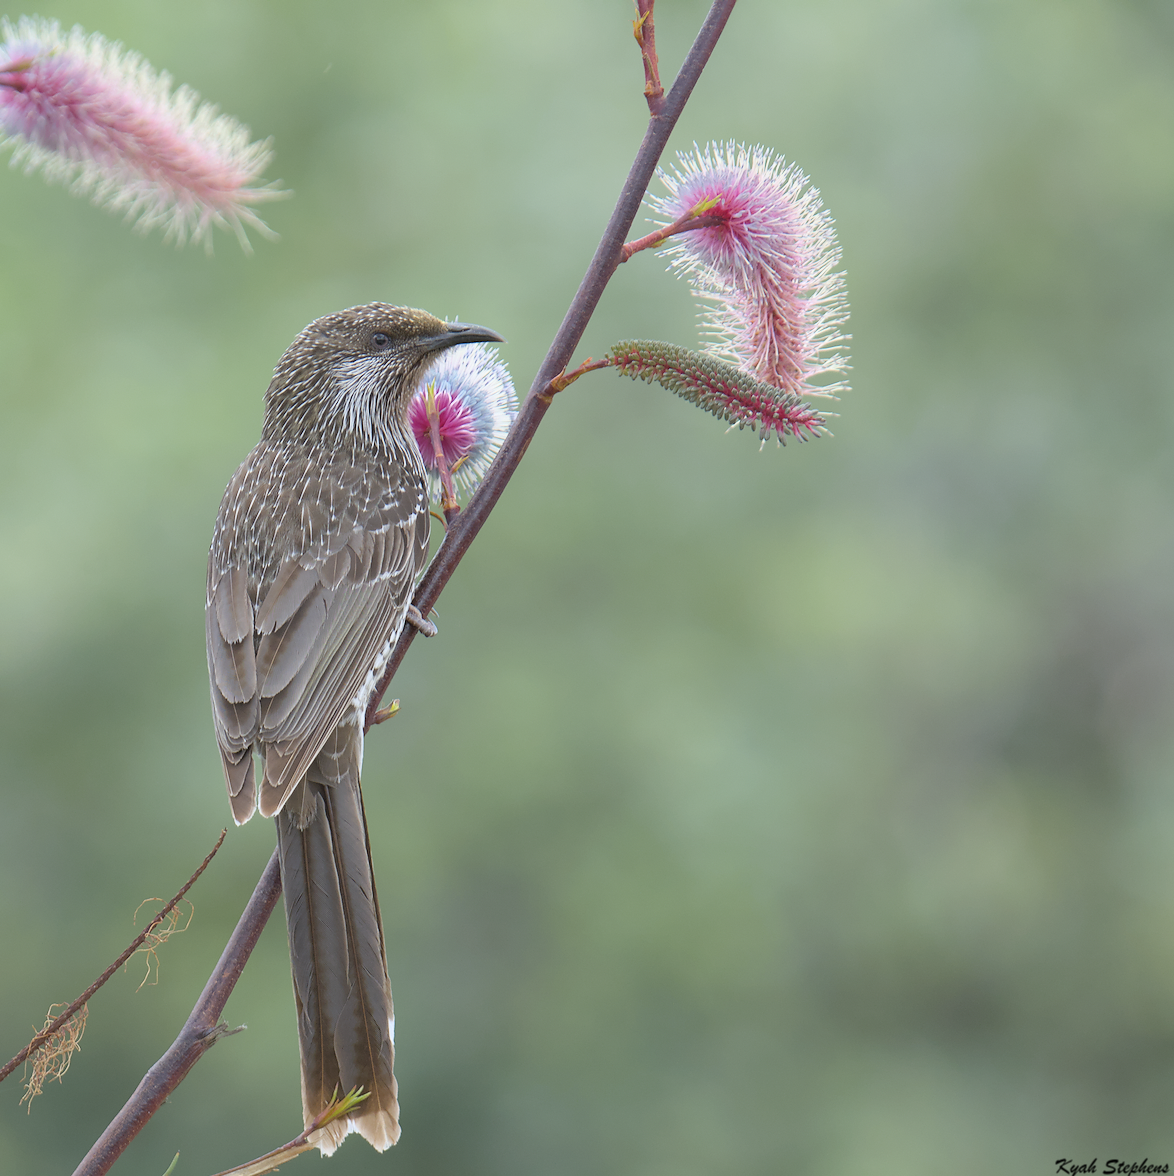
<point x="288" y="663"/>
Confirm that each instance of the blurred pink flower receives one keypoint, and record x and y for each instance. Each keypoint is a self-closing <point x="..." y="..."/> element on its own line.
<point x="94" y="116"/>
<point x="777" y="305"/>
<point x="475" y="406"/>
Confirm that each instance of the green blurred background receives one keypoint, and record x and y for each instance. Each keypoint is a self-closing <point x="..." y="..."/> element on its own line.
<point x="799" y="811"/>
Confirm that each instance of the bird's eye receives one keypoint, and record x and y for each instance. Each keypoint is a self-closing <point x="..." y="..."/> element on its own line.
<point x="379" y="341"/>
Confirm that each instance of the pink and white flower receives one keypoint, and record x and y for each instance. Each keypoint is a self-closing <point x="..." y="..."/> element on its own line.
<point x="776" y="302"/>
<point x="88" y="113"/>
<point x="475" y="405"/>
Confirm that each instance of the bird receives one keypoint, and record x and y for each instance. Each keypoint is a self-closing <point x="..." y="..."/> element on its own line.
<point x="319" y="541"/>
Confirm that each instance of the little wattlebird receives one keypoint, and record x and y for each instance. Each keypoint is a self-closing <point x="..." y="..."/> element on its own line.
<point x="320" y="538"/>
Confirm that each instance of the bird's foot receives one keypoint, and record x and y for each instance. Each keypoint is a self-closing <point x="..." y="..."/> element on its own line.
<point x="426" y="628"/>
<point x="385" y="712"/>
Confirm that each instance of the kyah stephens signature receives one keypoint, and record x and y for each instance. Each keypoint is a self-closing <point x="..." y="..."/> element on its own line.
<point x="1120" y="1167"/>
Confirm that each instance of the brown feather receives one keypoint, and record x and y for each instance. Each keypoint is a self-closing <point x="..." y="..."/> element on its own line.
<point x="277" y="764"/>
<point x="363" y="1034"/>
<point x="242" y="792"/>
<point x="339" y="965"/>
<point x="334" y="568"/>
<point x="282" y="653"/>
<point x="363" y="545"/>
<point x="234" y="669"/>
<point x="234" y="611"/>
<point x="288" y="592"/>
<point x="315" y="921"/>
<point x="236" y="722"/>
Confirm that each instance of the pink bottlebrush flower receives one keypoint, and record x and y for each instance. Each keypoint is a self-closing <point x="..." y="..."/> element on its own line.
<point x="88" y="113"/>
<point x="720" y="388"/>
<point x="767" y="270"/>
<point x="475" y="406"/>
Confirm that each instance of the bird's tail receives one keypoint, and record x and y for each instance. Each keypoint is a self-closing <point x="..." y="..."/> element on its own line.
<point x="346" y="1025"/>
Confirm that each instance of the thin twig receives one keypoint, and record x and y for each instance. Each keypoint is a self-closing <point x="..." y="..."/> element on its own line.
<point x="645" y="32"/>
<point x="683" y="224"/>
<point x="559" y="383"/>
<point x="44" y="1035"/>
<point x="464" y="528"/>
<point x="200" y="1032"/>
<point x="272" y="1160"/>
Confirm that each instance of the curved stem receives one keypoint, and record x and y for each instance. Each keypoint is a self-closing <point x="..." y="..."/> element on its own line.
<point x="683" y="224"/>
<point x="608" y="254"/>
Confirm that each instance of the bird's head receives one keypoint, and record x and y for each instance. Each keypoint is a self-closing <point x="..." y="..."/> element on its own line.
<point x="349" y="377"/>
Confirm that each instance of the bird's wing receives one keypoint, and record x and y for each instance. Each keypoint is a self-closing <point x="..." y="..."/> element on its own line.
<point x="326" y="632"/>
<point x="232" y="670"/>
<point x="294" y="641"/>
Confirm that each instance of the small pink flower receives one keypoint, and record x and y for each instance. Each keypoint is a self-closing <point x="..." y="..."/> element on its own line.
<point x="475" y="406"/>
<point x="96" y="117"/>
<point x="767" y="270"/>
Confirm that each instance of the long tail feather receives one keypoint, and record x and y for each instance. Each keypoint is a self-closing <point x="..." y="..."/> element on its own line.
<point x="345" y="1016"/>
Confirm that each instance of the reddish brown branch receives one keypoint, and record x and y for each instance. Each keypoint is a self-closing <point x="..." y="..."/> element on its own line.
<point x="645" y="33"/>
<point x="468" y="523"/>
<point x="568" y="378"/>
<point x="201" y="1031"/>
<point x="50" y="1029"/>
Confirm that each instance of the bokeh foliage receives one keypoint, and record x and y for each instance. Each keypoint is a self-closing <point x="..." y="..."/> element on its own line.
<point x="799" y="811"/>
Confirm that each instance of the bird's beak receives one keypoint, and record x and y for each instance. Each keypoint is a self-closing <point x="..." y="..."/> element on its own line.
<point x="460" y="333"/>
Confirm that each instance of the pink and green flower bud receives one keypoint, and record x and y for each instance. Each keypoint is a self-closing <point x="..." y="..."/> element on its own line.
<point x="720" y="388"/>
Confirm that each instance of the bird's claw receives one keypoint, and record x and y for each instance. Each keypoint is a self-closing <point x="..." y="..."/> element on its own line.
<point x="425" y="627"/>
<point x="385" y="712"/>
